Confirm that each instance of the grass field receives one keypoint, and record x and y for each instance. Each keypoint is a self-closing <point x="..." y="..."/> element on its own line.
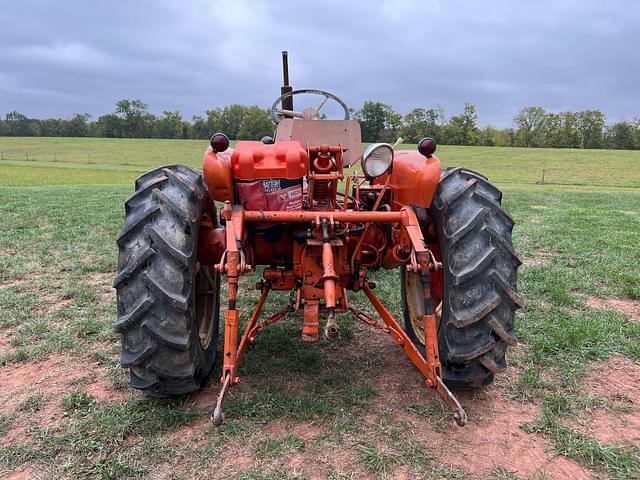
<point x="116" y="161"/>
<point x="567" y="408"/>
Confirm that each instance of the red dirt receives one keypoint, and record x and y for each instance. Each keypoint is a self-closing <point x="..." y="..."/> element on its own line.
<point x="537" y="258"/>
<point x="626" y="306"/>
<point x="102" y="283"/>
<point x="24" y="473"/>
<point x="193" y="434"/>
<point x="5" y="342"/>
<point x="11" y="283"/>
<point x="51" y="379"/>
<point x="491" y="438"/>
<point x="617" y="380"/>
<point x="494" y="438"/>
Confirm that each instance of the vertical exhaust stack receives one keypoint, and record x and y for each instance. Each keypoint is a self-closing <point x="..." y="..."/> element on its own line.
<point x="287" y="103"/>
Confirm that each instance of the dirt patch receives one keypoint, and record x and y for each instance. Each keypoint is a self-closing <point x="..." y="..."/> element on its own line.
<point x="493" y="437"/>
<point x="6" y="347"/>
<point x="48" y="382"/>
<point x="617" y="380"/>
<point x="24" y="473"/>
<point x="54" y="303"/>
<point x="626" y="306"/>
<point x="306" y="431"/>
<point x="102" y="282"/>
<point x="193" y="434"/>
<point x="537" y="258"/>
<point x="205" y="398"/>
<point x="11" y="283"/>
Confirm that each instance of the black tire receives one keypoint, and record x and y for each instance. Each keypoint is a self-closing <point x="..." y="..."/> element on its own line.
<point x="479" y="267"/>
<point x="166" y="301"/>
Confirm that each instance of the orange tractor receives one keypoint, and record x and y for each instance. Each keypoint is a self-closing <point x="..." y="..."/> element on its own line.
<point x="287" y="204"/>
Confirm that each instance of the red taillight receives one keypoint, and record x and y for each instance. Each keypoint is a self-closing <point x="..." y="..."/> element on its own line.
<point x="427" y="146"/>
<point x="219" y="142"/>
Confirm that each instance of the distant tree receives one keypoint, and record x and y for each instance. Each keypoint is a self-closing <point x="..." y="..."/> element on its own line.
<point x="551" y="131"/>
<point x="504" y="137"/>
<point x="230" y="120"/>
<point x="529" y="122"/>
<point x="199" y="128"/>
<point x="77" y="126"/>
<point x="136" y="122"/>
<point x="591" y="128"/>
<point x="17" y="125"/>
<point x="462" y="129"/>
<point x="620" y="135"/>
<point x="392" y="126"/>
<point x="488" y="136"/>
<point x="170" y="125"/>
<point x="570" y="135"/>
<point x="420" y="123"/>
<point x="109" y="126"/>
<point x="214" y="123"/>
<point x="378" y="122"/>
<point x="186" y="129"/>
<point x="256" y="123"/>
<point x="49" y="127"/>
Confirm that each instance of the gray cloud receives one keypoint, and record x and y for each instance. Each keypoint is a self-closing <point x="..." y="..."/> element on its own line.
<point x="64" y="56"/>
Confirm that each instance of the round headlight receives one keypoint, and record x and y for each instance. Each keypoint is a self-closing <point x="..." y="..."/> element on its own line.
<point x="376" y="159"/>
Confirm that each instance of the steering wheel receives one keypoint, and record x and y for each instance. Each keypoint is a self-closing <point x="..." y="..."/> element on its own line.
<point x="311" y="113"/>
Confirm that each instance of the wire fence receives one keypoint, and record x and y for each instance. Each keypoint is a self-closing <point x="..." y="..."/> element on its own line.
<point x="597" y="174"/>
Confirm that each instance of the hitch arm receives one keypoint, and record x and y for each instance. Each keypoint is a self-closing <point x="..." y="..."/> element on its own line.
<point x="431" y="372"/>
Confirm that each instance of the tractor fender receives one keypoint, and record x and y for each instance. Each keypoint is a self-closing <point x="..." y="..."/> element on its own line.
<point x="216" y="168"/>
<point x="414" y="178"/>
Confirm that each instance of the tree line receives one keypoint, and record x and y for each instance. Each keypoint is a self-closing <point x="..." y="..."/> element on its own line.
<point x="532" y="126"/>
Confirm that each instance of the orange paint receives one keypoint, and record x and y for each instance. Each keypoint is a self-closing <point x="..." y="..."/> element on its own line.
<point x="217" y="174"/>
<point x="414" y="178"/>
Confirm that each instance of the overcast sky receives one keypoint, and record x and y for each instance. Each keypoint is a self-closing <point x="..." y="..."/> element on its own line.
<point x="58" y="57"/>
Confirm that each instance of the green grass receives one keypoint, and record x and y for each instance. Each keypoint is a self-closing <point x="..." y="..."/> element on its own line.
<point x="58" y="255"/>
<point x="76" y="161"/>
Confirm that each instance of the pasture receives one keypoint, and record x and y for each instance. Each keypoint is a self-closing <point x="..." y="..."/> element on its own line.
<point x="568" y="406"/>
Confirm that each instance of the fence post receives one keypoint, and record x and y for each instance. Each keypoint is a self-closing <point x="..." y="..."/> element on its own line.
<point x="541" y="181"/>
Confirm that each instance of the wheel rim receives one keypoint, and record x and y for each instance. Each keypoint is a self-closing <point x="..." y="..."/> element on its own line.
<point x="415" y="304"/>
<point x="207" y="283"/>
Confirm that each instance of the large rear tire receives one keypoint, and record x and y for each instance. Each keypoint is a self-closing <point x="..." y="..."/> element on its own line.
<point x="479" y="277"/>
<point x="168" y="304"/>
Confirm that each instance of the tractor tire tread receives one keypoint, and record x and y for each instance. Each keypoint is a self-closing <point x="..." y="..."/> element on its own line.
<point x="480" y="279"/>
<point x="480" y="270"/>
<point x="155" y="283"/>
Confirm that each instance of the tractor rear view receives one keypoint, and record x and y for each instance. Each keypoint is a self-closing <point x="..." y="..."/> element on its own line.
<point x="289" y="209"/>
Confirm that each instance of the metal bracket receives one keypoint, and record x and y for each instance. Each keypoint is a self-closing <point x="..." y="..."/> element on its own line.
<point x="430" y="370"/>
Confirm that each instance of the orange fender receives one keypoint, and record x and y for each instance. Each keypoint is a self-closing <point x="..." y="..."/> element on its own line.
<point x="414" y="178"/>
<point x="217" y="174"/>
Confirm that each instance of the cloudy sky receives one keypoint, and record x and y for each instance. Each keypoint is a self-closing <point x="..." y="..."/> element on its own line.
<point x="58" y="57"/>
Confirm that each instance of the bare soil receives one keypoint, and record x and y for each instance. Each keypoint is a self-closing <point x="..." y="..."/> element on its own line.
<point x="618" y="381"/>
<point x="492" y="437"/>
<point x="102" y="283"/>
<point x="626" y="306"/>
<point x="49" y="381"/>
<point x="537" y="258"/>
